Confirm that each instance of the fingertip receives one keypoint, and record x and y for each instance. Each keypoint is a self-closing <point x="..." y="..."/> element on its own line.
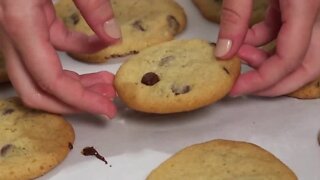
<point x="223" y="47"/>
<point x="112" y="29"/>
<point x="234" y="25"/>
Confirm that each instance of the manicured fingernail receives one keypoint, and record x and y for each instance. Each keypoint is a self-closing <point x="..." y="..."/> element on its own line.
<point x="112" y="28"/>
<point x="223" y="47"/>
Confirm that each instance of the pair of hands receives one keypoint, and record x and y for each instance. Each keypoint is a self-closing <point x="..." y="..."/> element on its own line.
<point x="31" y="32"/>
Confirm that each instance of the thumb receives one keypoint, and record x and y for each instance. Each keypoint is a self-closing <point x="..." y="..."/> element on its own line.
<point x="234" y="23"/>
<point x="100" y="17"/>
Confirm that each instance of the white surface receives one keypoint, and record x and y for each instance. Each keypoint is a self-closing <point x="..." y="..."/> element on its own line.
<point x="135" y="143"/>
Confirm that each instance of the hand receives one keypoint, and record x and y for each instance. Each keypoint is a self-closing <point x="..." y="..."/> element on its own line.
<point x="294" y="24"/>
<point x="30" y="34"/>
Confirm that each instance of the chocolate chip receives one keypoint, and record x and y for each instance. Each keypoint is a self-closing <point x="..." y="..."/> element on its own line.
<point x="70" y="145"/>
<point x="138" y="25"/>
<point x="150" y="79"/>
<point x="226" y="70"/>
<point x="177" y="90"/>
<point x="166" y="60"/>
<point x="7" y="111"/>
<point x="75" y="18"/>
<point x="5" y="149"/>
<point x="218" y="1"/>
<point x="173" y="24"/>
<point x="318" y="84"/>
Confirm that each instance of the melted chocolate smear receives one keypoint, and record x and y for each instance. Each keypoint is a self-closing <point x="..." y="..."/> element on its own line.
<point x="90" y="151"/>
<point x="70" y="145"/>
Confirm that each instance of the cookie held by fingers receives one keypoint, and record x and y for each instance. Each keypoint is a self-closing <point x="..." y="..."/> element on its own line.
<point x="143" y="24"/>
<point x="176" y="76"/>
<point x="32" y="142"/>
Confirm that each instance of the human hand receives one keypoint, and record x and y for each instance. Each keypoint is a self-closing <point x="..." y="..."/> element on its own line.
<point x="294" y="24"/>
<point x="31" y="32"/>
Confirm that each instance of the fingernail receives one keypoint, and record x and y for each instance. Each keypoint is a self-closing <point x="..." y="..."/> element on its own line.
<point x="112" y="28"/>
<point x="223" y="47"/>
<point x="105" y="117"/>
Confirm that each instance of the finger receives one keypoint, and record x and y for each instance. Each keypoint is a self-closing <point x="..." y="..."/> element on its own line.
<point x="234" y="22"/>
<point x="252" y="56"/>
<point x="97" y="78"/>
<point x="43" y="64"/>
<point x="306" y="73"/>
<point x="65" y="39"/>
<point x="291" y="48"/>
<point x="268" y="29"/>
<point x="104" y="90"/>
<point x="30" y="94"/>
<point x="99" y="16"/>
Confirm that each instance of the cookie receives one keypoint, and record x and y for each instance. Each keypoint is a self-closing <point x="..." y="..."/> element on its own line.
<point x="222" y="159"/>
<point x="308" y="91"/>
<point x="3" y="72"/>
<point x="32" y="142"/>
<point x="211" y="10"/>
<point x="143" y="23"/>
<point x="176" y="76"/>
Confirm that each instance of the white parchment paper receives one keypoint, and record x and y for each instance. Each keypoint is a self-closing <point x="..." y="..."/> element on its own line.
<point x="135" y="143"/>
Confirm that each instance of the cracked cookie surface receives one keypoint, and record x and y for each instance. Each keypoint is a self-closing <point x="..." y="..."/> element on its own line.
<point x="32" y="142"/>
<point x="175" y="76"/>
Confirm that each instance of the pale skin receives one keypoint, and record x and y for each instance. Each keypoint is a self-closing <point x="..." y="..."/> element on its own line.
<point x="30" y="35"/>
<point x="296" y="26"/>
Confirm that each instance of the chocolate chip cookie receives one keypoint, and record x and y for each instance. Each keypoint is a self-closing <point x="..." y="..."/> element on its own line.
<point x="308" y="91"/>
<point x="31" y="142"/>
<point x="223" y="159"/>
<point x="143" y="23"/>
<point x="176" y="76"/>
<point x="211" y="10"/>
